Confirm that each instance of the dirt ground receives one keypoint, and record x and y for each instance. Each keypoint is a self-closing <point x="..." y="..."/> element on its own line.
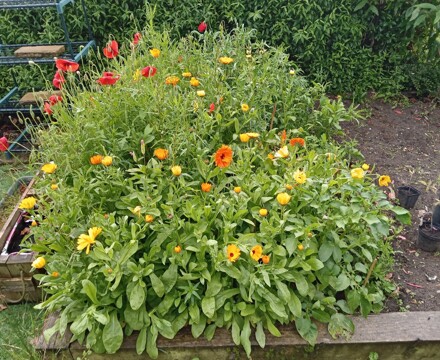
<point x="404" y="143"/>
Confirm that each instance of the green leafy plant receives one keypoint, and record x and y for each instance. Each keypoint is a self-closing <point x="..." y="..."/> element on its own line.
<point x="213" y="203"/>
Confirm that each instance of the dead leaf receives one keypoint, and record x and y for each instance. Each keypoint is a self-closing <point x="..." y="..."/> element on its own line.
<point x="398" y="112"/>
<point x="3" y="307"/>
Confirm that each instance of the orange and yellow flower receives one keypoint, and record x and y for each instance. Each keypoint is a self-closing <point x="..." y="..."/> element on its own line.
<point x="225" y="60"/>
<point x="54" y="186"/>
<point x="155" y="53"/>
<point x="194" y="82"/>
<point x="233" y="252"/>
<point x="282" y="153"/>
<point x="384" y="180"/>
<point x="49" y="168"/>
<point x="245" y="107"/>
<point x="237" y="189"/>
<point x="177" y="249"/>
<point x="107" y="160"/>
<point x="96" y="159"/>
<point x="161" y="154"/>
<point x="300" y="176"/>
<point x="297" y="141"/>
<point x="206" y="187"/>
<point x="186" y="74"/>
<point x="149" y="218"/>
<point x="87" y="240"/>
<point x="172" y="80"/>
<point x="223" y="156"/>
<point x="256" y="252"/>
<point x="39" y="263"/>
<point x="55" y="274"/>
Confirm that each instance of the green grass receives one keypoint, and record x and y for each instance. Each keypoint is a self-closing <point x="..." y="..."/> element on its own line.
<point x="9" y="173"/>
<point x="18" y="325"/>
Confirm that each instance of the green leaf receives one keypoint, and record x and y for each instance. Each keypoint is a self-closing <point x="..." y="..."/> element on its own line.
<point x="141" y="341"/>
<point x="307" y="330"/>
<point x="301" y="284"/>
<point x="340" y="325"/>
<point x="152" y="350"/>
<point x="342" y="282"/>
<point x="271" y="327"/>
<point x="208" y="306"/>
<point x="315" y="264"/>
<point x="90" y="290"/>
<point x="80" y="325"/>
<point x="136" y="295"/>
<point x="214" y="286"/>
<point x="245" y="337"/>
<point x="157" y="285"/>
<point x="197" y="329"/>
<point x="236" y="332"/>
<point x="133" y="318"/>
<point x="402" y="215"/>
<point x="283" y="291"/>
<point x="210" y="331"/>
<point x="260" y="336"/>
<point x="294" y="305"/>
<point x="365" y="306"/>
<point x="325" y="251"/>
<point x="112" y="334"/>
<point x="169" y="277"/>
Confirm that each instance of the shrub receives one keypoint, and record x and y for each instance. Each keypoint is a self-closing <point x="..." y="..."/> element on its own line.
<point x="222" y="210"/>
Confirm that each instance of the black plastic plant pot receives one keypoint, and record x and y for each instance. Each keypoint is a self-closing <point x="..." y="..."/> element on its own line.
<point x="407" y="196"/>
<point x="429" y="238"/>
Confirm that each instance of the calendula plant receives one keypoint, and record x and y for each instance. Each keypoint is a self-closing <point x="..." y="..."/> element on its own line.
<point x="229" y="207"/>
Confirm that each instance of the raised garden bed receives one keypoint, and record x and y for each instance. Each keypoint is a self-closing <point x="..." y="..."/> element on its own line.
<point x="16" y="282"/>
<point x="418" y="337"/>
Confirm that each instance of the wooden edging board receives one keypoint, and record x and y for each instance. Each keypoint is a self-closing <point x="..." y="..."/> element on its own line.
<point x="393" y="336"/>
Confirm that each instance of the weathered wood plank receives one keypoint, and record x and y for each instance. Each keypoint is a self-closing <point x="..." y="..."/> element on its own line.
<point x="37" y="97"/>
<point x="56" y="342"/>
<point x="39" y="51"/>
<point x="12" y="289"/>
<point x="20" y="262"/>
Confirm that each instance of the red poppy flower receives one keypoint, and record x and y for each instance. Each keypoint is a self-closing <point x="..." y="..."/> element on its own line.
<point x="211" y="108"/>
<point x="111" y="50"/>
<point x="148" y="71"/>
<point x="223" y="156"/>
<point x="58" y="80"/>
<point x="53" y="99"/>
<point x="4" y="144"/>
<point x="66" y="65"/>
<point x="47" y="108"/>
<point x="136" y="38"/>
<point x="108" y="78"/>
<point x="202" y="27"/>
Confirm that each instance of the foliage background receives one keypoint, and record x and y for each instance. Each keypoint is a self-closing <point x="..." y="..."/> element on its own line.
<point x="353" y="46"/>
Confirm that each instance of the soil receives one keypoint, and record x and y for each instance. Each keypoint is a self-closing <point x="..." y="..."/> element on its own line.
<point x="404" y="142"/>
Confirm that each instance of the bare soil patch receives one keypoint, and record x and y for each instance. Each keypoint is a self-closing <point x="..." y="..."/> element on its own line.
<point x="404" y="143"/>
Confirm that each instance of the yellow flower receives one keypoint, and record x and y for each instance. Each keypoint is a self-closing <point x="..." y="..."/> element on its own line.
<point x="300" y="176"/>
<point x="176" y="170"/>
<point x="233" y="252"/>
<point x="137" y="75"/>
<point x="292" y="72"/>
<point x="186" y="74"/>
<point x="172" y="80"/>
<point x="263" y="212"/>
<point x="87" y="240"/>
<point x="365" y="167"/>
<point x="270" y="156"/>
<point x="136" y="211"/>
<point x="54" y="186"/>
<point x="384" y="180"/>
<point x="49" y="168"/>
<point x="149" y="218"/>
<point x="283" y="198"/>
<point x="244" y="138"/>
<point x="253" y="135"/>
<point x="177" y="249"/>
<point x="357" y="173"/>
<point x="288" y="187"/>
<point x="194" y="82"/>
<point x="300" y="247"/>
<point x="237" y="189"/>
<point x="245" y="107"/>
<point x="282" y="153"/>
<point x="107" y="160"/>
<point x="225" y="60"/>
<point x="28" y="203"/>
<point x="195" y="106"/>
<point x="34" y="223"/>
<point x="39" y="263"/>
<point x="155" y="53"/>
<point x="256" y="252"/>
<point x="330" y="156"/>
<point x="201" y="93"/>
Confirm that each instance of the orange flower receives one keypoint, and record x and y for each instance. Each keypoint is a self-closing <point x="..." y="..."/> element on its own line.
<point x="194" y="82"/>
<point x="299" y="141"/>
<point x="149" y="218"/>
<point x="225" y="60"/>
<point x="55" y="274"/>
<point x="172" y="80"/>
<point x="177" y="249"/>
<point x="223" y="156"/>
<point x="206" y="187"/>
<point x="237" y="189"/>
<point x="161" y="154"/>
<point x="265" y="259"/>
<point x="155" y="53"/>
<point x="96" y="159"/>
<point x="283" y="137"/>
<point x="233" y="252"/>
<point x="288" y="187"/>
